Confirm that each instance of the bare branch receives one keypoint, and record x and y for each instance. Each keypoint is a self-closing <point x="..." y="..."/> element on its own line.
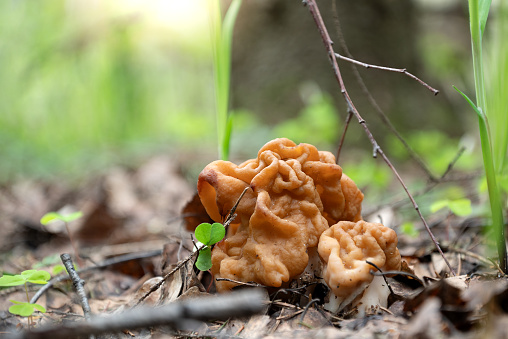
<point x="105" y="263"/>
<point x="78" y="284"/>
<point x="389" y="69"/>
<point x="373" y="102"/>
<point x="316" y="15"/>
<point x="250" y="284"/>
<point x="235" y="304"/>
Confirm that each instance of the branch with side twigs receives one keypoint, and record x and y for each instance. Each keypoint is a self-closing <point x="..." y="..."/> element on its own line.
<point x="316" y="15"/>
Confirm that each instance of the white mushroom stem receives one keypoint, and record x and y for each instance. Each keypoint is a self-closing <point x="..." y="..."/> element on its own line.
<point x="374" y="294"/>
<point x="337" y="304"/>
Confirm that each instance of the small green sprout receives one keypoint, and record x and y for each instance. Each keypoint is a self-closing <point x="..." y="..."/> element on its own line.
<point x="208" y="235"/>
<point x="408" y="228"/>
<point x="52" y="216"/>
<point x="459" y="207"/>
<point x="25" y="309"/>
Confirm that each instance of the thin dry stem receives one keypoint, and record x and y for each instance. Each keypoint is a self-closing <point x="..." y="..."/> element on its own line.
<point x="159" y="284"/>
<point x="389" y="69"/>
<point x="416" y="158"/>
<point x="316" y="15"/>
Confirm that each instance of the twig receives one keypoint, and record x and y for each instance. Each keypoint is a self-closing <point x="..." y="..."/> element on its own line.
<point x="314" y="11"/>
<point x="159" y="284"/>
<point x="289" y="316"/>
<point x="78" y="283"/>
<point x="389" y="69"/>
<point x="383" y="275"/>
<point x="373" y="101"/>
<point x="235" y="304"/>
<point x="453" y="162"/>
<point x="343" y="137"/>
<point x="231" y="215"/>
<point x="476" y="256"/>
<point x="105" y="263"/>
<point x="309" y="304"/>
<point x="399" y="273"/>
<point x="250" y="284"/>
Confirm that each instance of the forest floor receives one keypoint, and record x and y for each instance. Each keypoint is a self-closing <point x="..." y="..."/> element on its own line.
<point x="133" y="232"/>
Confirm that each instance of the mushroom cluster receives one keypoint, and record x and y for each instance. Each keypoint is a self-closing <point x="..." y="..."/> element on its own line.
<point x="296" y="193"/>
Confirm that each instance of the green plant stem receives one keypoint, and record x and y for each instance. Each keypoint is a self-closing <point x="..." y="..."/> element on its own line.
<point x="493" y="188"/>
<point x="222" y="36"/>
<point x="28" y="300"/>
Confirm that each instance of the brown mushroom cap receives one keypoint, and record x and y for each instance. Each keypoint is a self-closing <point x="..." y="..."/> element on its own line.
<point x="296" y="191"/>
<point x="346" y="246"/>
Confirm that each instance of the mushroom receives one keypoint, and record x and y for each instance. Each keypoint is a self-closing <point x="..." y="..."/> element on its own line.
<point x="345" y="249"/>
<point x="296" y="193"/>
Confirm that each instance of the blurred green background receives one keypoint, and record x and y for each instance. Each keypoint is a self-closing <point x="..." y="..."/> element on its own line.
<point x="88" y="84"/>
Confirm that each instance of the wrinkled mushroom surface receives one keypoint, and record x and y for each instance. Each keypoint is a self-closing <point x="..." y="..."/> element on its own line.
<point x="345" y="247"/>
<point x="296" y="193"/>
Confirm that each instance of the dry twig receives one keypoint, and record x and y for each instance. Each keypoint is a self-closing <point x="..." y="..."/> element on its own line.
<point x="374" y="103"/>
<point x="78" y="284"/>
<point x="316" y="15"/>
<point x="235" y="304"/>
<point x="105" y="263"/>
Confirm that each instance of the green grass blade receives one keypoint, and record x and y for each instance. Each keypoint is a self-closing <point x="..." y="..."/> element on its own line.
<point x="478" y="13"/>
<point x="484" y="7"/>
<point x="222" y="37"/>
<point x="497" y="87"/>
<point x="481" y="115"/>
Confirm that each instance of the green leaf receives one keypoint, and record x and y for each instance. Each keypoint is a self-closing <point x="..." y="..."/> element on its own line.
<point x="12" y="280"/>
<point x="28" y="273"/>
<point x="408" y="228"/>
<point x="47" y="261"/>
<point x="17" y="302"/>
<point x="210" y="234"/>
<point x="39" y="308"/>
<point x="72" y="216"/>
<point x="51" y="216"/>
<point x="438" y="205"/>
<point x="217" y="233"/>
<point x="203" y="233"/>
<point x="204" y="261"/>
<point x="484" y="13"/>
<point x="461" y="207"/>
<point x="23" y="309"/>
<point x="57" y="269"/>
<point x="36" y="277"/>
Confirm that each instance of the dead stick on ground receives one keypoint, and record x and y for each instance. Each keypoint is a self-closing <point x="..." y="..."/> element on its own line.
<point x="78" y="283"/>
<point x="236" y="304"/>
<point x="105" y="263"/>
<point x="316" y="15"/>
